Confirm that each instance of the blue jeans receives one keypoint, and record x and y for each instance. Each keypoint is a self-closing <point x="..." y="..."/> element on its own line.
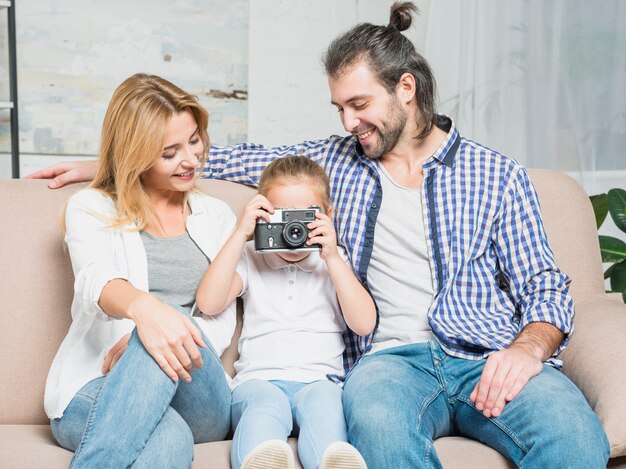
<point x="268" y="410"/>
<point x="136" y="416"/>
<point x="397" y="401"/>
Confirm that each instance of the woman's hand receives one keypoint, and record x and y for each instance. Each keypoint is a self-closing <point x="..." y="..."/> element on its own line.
<point x="323" y="232"/>
<point x="258" y="207"/>
<point x="170" y="337"/>
<point x="116" y="352"/>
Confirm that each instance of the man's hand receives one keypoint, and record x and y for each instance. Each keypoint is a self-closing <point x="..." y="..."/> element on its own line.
<point x="66" y="173"/>
<point x="508" y="371"/>
<point x="504" y="376"/>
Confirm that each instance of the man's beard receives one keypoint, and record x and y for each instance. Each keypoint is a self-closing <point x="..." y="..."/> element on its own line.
<point x="390" y="131"/>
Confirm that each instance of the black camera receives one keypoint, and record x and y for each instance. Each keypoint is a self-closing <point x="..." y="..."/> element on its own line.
<point x="286" y="231"/>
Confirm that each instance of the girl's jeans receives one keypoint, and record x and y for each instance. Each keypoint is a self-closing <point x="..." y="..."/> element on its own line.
<point x="267" y="410"/>
<point x="136" y="416"/>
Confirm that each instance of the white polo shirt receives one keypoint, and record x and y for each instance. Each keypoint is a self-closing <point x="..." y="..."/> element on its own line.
<point x="293" y="326"/>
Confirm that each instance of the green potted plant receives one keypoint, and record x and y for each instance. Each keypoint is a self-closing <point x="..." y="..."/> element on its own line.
<point x="613" y="249"/>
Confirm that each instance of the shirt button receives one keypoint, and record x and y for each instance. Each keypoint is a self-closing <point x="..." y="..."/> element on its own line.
<point x="290" y="282"/>
<point x="290" y="298"/>
<point x="374" y="205"/>
<point x="367" y="243"/>
<point x="291" y="269"/>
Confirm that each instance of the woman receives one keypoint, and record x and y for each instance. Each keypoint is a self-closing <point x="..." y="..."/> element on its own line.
<point x="140" y="239"/>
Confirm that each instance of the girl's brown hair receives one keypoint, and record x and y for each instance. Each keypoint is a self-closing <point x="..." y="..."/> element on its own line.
<point x="294" y="169"/>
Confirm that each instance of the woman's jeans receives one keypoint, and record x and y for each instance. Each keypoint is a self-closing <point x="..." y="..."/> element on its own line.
<point x="397" y="401"/>
<point x="136" y="416"/>
<point x="268" y="410"/>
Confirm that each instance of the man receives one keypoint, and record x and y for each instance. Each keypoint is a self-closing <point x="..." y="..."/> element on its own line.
<point x="447" y="236"/>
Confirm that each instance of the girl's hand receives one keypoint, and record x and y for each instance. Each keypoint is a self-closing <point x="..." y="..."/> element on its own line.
<point x="116" y="352"/>
<point x="322" y="232"/>
<point x="171" y="338"/>
<point x="258" y="207"/>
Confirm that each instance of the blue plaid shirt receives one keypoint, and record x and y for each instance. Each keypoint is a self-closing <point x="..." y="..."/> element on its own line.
<point x="493" y="269"/>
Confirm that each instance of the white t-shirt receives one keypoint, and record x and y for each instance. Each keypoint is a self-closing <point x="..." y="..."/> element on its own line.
<point x="399" y="273"/>
<point x="292" y="326"/>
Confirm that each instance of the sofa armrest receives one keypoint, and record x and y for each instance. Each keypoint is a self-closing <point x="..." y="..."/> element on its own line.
<point x="595" y="360"/>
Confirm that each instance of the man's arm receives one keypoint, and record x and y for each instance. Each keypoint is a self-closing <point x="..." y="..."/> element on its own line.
<point x="540" y="292"/>
<point x="242" y="163"/>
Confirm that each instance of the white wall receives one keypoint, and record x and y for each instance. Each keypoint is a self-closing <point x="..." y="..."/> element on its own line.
<point x="72" y="54"/>
<point x="68" y="74"/>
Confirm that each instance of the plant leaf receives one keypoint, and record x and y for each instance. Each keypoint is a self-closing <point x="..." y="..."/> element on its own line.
<point x="616" y="199"/>
<point x="608" y="272"/>
<point x="600" y="208"/>
<point x="618" y="277"/>
<point x="612" y="249"/>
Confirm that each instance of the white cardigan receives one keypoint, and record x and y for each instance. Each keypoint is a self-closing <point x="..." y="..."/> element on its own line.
<point x="100" y="254"/>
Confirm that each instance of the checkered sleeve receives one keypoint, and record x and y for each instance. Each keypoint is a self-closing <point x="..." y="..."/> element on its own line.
<point x="244" y="163"/>
<point x="537" y="286"/>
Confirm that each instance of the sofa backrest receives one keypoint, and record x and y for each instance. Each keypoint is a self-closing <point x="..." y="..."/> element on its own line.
<point x="37" y="279"/>
<point x="571" y="228"/>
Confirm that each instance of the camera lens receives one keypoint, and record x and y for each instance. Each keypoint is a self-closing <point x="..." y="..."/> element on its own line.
<point x="295" y="234"/>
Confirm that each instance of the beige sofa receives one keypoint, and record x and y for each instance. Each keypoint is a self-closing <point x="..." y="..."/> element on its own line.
<point x="36" y="291"/>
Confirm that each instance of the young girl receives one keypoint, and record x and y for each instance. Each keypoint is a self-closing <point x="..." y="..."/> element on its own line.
<point x="292" y="331"/>
<point x="140" y="239"/>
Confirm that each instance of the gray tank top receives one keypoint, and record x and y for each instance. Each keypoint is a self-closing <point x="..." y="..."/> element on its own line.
<point x="175" y="267"/>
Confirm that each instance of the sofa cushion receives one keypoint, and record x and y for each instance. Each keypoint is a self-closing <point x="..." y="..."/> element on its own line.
<point x="32" y="447"/>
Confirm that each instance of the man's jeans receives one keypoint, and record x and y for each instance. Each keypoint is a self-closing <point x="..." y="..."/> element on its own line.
<point x="137" y="416"/>
<point x="397" y="401"/>
<point x="267" y="410"/>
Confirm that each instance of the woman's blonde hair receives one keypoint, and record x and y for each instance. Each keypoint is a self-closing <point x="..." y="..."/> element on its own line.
<point x="296" y="169"/>
<point x="133" y="136"/>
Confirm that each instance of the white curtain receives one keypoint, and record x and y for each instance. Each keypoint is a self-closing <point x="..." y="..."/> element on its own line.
<point x="542" y="81"/>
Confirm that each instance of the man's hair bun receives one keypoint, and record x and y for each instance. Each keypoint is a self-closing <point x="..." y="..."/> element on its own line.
<point x="401" y="15"/>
